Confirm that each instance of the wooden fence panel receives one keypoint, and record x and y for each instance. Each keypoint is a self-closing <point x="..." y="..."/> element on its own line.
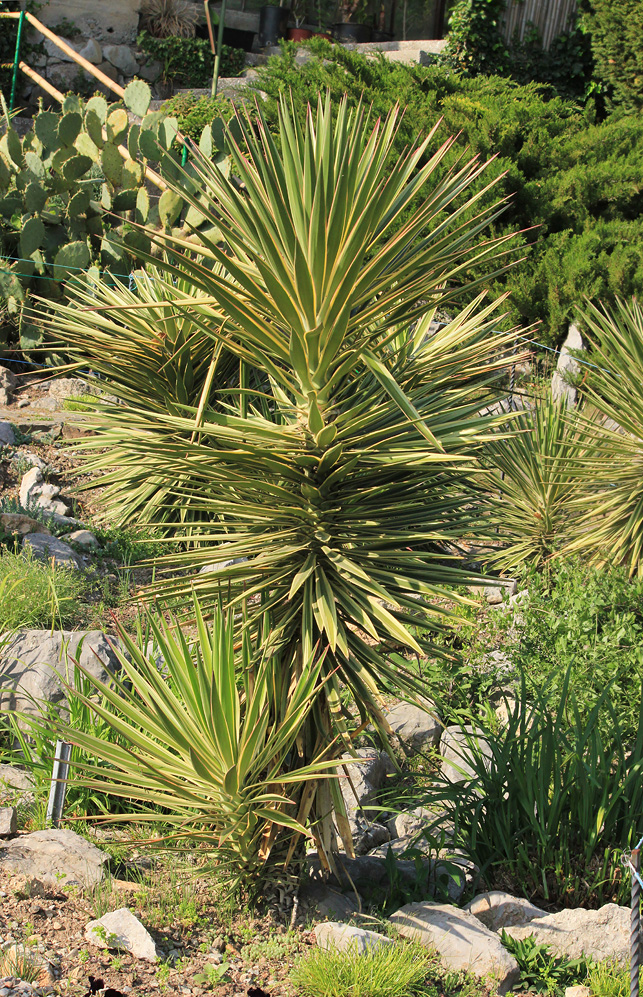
<point x="549" y="17"/>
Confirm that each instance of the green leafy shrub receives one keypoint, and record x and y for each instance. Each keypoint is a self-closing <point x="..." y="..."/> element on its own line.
<point x="589" y="621"/>
<point x="193" y="113"/>
<point x="574" y="186"/>
<point x="189" y="61"/>
<point x="616" y="30"/>
<point x="474" y="42"/>
<point x="550" y="805"/>
<point x="540" y="971"/>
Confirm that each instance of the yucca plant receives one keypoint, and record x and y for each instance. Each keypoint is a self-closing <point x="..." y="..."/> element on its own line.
<point x="196" y="743"/>
<point x="610" y="529"/>
<point x="342" y="474"/>
<point x="534" y="481"/>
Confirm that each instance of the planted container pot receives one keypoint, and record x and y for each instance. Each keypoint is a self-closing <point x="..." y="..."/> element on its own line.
<point x="348" y="32"/>
<point x="299" y="34"/>
<point x="323" y="34"/>
<point x="381" y="36"/>
<point x="273" y="25"/>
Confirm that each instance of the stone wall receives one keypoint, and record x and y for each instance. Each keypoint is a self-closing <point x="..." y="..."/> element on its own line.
<point x="107" y="39"/>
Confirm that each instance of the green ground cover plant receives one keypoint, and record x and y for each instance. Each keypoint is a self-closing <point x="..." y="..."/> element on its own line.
<point x="541" y="972"/>
<point x="334" y="463"/>
<point x="574" y="184"/>
<point x="189" y="61"/>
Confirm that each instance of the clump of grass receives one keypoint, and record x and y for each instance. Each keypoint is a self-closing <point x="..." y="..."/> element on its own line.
<point x="37" y="594"/>
<point x="607" y="979"/>
<point x="18" y="962"/>
<point x="80" y="403"/>
<point x="389" y="971"/>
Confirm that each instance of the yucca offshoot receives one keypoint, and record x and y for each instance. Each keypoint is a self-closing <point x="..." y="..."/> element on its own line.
<point x="345" y="472"/>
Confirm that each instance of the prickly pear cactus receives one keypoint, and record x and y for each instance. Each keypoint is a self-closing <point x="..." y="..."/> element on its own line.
<point x="71" y="193"/>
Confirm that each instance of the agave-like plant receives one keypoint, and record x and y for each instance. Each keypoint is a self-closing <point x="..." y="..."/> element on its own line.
<point x="342" y="475"/>
<point x="195" y="736"/>
<point x="610" y="527"/>
<point x="534" y="480"/>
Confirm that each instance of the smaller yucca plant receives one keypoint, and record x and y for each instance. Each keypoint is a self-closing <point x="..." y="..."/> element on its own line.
<point x="199" y="746"/>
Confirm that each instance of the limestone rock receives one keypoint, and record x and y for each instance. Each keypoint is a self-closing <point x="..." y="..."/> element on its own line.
<point x="67" y="387"/>
<point x="34" y="491"/>
<point x="367" y="835"/>
<point x="7" y="435"/>
<point x="14" y="777"/>
<point x="30" y="458"/>
<point x="16" y="522"/>
<point x="114" y="23"/>
<point x="120" y="929"/>
<point x="92" y="52"/>
<point x="417" y="726"/>
<point x="461" y="940"/>
<point x="567" y="369"/>
<point x="84" y="538"/>
<point x="56" y="857"/>
<point x="498" y="910"/>
<point x="8" y="822"/>
<point x="597" y="934"/>
<point x="580" y="990"/>
<point x="362" y="776"/>
<point x="322" y="901"/>
<point x="334" y="935"/>
<point x="8" y="383"/>
<point x="48" y="548"/>
<point x="122" y="57"/>
<point x="456" y="753"/>
<point x="411" y="822"/>
<point x="31" y="662"/>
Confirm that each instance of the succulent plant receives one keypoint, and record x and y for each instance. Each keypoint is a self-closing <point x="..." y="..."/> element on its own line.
<point x="68" y="198"/>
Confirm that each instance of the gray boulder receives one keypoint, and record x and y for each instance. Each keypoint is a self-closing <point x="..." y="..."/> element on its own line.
<point x="417" y="726"/>
<point x="122" y="58"/>
<point x="456" y="752"/>
<point x="48" y="548"/>
<point x="120" y="929"/>
<point x="324" y="902"/>
<point x="56" y="857"/>
<point x="8" y="822"/>
<point x="361" y="777"/>
<point x="371" y="871"/>
<point x="32" y="661"/>
<point x="84" y="538"/>
<point x="498" y="910"/>
<point x="8" y="383"/>
<point x="334" y="935"/>
<point x="597" y="934"/>
<point x="7" y="435"/>
<point x="461" y="940"/>
<point x="34" y="491"/>
<point x="14" y="777"/>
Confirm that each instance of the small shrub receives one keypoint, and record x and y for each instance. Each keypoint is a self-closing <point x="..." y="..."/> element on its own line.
<point x="190" y="60"/>
<point x="390" y="971"/>
<point x="616" y="30"/>
<point x="193" y="113"/>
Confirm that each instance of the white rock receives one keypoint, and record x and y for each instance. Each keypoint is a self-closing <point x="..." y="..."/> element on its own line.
<point x="597" y="934"/>
<point x="333" y="934"/>
<point x="567" y="369"/>
<point x="456" y="753"/>
<point x="30" y="458"/>
<point x="417" y="726"/>
<point x="498" y="910"/>
<point x="122" y="57"/>
<point x="461" y="940"/>
<point x="8" y="822"/>
<point x="46" y="548"/>
<point x="580" y="990"/>
<point x="35" y="492"/>
<point x="14" y="777"/>
<point x="57" y="857"/>
<point x="68" y="387"/>
<point x="92" y="52"/>
<point x="120" y="929"/>
<point x="84" y="538"/>
<point x="8" y="379"/>
<point x="7" y="435"/>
